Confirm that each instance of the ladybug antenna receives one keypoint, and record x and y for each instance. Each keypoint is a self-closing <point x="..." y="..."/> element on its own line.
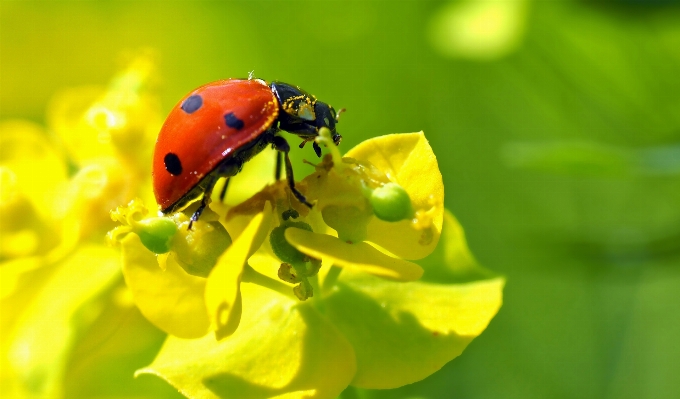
<point x="337" y="115"/>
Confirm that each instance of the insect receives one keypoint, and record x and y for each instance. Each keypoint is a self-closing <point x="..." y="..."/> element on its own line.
<point x="219" y="126"/>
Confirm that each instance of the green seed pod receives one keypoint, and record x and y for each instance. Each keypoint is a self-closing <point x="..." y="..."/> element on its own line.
<point x="283" y="250"/>
<point x="391" y="203"/>
<point x="197" y="250"/>
<point x="157" y="233"/>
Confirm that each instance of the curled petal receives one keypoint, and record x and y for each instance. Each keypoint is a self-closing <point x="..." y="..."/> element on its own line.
<point x="281" y="349"/>
<point x="222" y="292"/>
<point x="361" y="255"/>
<point x="171" y="299"/>
<point x="407" y="159"/>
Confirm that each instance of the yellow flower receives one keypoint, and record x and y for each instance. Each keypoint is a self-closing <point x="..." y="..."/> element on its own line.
<point x="58" y="278"/>
<point x="305" y="302"/>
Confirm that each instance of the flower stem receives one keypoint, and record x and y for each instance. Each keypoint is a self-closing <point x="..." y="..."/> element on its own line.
<point x="331" y="277"/>
<point x="251" y="275"/>
<point x="317" y="300"/>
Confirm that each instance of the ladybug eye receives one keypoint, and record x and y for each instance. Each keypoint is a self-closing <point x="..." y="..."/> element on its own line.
<point x="172" y="164"/>
<point x="192" y="104"/>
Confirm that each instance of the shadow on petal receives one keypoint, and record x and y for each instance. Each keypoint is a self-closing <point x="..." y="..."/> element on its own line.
<point x="308" y="378"/>
<point x="359" y="256"/>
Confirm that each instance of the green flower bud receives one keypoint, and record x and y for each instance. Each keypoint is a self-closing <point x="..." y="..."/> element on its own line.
<point x="283" y="250"/>
<point x="391" y="203"/>
<point x="156" y="234"/>
<point x="197" y="250"/>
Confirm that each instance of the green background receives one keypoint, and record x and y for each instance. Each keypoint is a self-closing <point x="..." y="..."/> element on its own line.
<point x="560" y="156"/>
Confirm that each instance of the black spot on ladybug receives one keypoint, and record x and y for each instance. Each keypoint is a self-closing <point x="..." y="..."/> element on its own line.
<point x="192" y="104"/>
<point x="233" y="121"/>
<point x="172" y="164"/>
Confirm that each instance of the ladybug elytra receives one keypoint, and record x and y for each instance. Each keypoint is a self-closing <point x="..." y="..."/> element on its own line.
<point x="218" y="127"/>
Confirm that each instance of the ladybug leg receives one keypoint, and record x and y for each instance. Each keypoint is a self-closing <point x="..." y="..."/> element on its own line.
<point x="282" y="145"/>
<point x="279" y="162"/>
<point x="223" y="193"/>
<point x="204" y="201"/>
<point x="227" y="169"/>
<point x="317" y="149"/>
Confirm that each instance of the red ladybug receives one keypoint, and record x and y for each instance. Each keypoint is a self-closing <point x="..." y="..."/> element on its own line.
<point x="218" y="127"/>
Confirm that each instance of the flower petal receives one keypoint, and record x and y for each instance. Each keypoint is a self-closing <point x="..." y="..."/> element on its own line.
<point x="38" y="168"/>
<point x="452" y="261"/>
<point x="281" y="348"/>
<point x="361" y="255"/>
<point x="12" y="271"/>
<point x="90" y="195"/>
<point x="40" y="342"/>
<point x="222" y="296"/>
<point x="430" y="324"/>
<point x="66" y="116"/>
<point x="171" y="299"/>
<point x="121" y="120"/>
<point x="406" y="159"/>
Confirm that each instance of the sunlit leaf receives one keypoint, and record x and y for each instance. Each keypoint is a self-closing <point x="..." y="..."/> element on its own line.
<point x="403" y="332"/>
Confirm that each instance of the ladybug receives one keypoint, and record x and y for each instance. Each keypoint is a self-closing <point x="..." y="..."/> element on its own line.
<point x="219" y="126"/>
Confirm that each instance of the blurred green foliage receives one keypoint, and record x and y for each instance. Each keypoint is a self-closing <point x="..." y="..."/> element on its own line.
<point x="532" y="136"/>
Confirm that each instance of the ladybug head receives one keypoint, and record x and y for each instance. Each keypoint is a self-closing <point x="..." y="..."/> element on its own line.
<point x="301" y="113"/>
<point x="327" y="117"/>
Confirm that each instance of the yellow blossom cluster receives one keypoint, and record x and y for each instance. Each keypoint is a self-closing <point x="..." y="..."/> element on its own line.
<point x="372" y="287"/>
